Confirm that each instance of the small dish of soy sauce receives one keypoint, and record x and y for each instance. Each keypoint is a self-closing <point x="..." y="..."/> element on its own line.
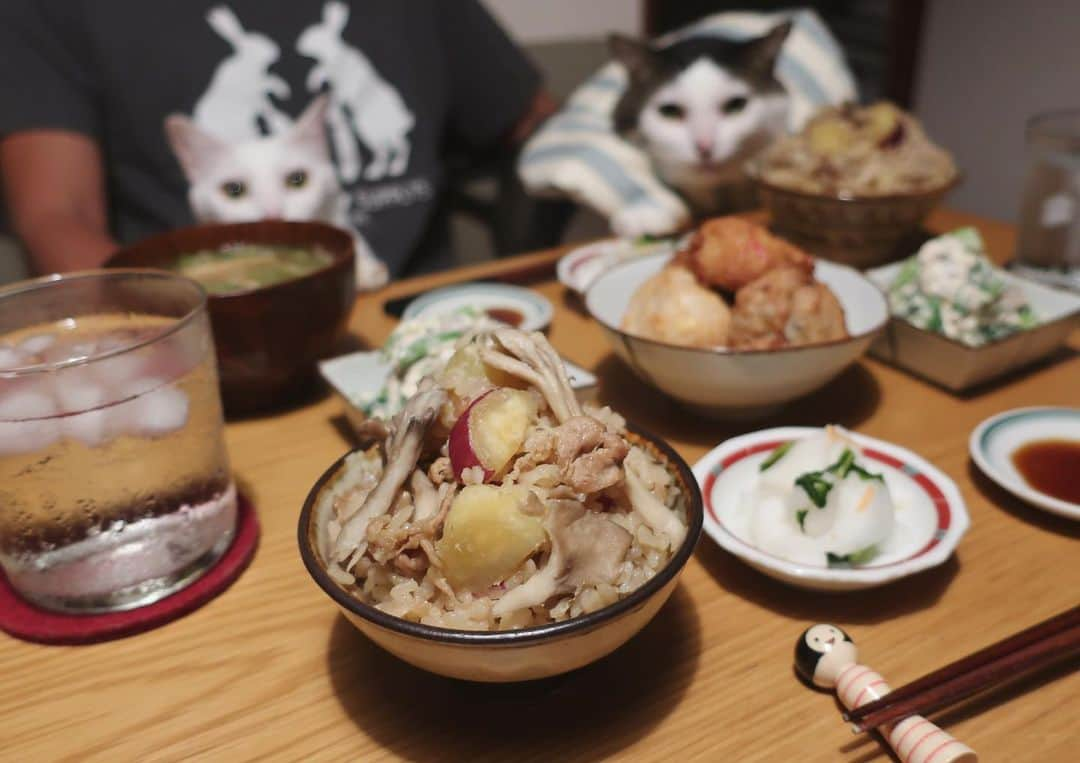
<point x="513" y="305"/>
<point x="1034" y="453"/>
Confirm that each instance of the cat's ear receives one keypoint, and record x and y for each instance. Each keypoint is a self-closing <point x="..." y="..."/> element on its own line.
<point x="309" y="129"/>
<point x="761" y="54"/>
<point x="640" y="60"/>
<point x="197" y="150"/>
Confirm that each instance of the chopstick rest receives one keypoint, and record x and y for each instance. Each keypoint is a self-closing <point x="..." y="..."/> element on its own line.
<point x="825" y="656"/>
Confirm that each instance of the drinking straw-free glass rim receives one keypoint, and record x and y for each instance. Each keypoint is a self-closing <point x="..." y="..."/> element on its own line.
<point x="111" y="274"/>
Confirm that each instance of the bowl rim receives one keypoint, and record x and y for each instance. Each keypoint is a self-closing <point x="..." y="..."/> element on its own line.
<point x="728" y="352"/>
<point x="816" y="576"/>
<point x="519" y="636"/>
<point x="341" y="257"/>
<point x="753" y="171"/>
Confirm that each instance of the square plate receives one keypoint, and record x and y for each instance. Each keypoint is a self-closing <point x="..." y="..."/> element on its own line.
<point x="957" y="366"/>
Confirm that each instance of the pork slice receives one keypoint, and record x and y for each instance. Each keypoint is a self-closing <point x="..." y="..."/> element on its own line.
<point x="594" y="548"/>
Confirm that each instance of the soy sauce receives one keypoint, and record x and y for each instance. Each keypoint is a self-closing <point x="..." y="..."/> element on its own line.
<point x="1051" y="467"/>
<point x="507" y="315"/>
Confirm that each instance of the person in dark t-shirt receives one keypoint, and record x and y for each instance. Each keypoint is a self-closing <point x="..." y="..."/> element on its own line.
<point x="86" y="86"/>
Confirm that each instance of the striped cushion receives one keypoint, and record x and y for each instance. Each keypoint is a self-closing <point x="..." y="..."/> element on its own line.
<point x="576" y="153"/>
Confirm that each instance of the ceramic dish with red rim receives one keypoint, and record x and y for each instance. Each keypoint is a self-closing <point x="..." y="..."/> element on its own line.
<point x="929" y="514"/>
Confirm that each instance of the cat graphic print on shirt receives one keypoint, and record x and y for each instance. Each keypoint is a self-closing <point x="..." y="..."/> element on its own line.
<point x="401" y="81"/>
<point x="237" y="103"/>
<point x="248" y="164"/>
<point x="286" y="176"/>
<point x="363" y="105"/>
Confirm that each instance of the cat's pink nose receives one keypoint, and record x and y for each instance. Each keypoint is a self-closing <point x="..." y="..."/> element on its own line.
<point x="704" y="148"/>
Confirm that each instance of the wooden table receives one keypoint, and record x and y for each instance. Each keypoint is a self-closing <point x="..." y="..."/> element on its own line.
<point x="270" y="670"/>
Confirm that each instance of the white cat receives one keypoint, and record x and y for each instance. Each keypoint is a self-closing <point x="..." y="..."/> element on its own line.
<point x="700" y="107"/>
<point x="362" y="100"/>
<point x="238" y="95"/>
<point x="286" y="176"/>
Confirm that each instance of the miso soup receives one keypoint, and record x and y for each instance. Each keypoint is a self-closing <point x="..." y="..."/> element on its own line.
<point x="250" y="266"/>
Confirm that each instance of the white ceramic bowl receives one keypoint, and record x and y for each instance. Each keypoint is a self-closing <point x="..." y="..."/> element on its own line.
<point x="513" y="655"/>
<point x="930" y="512"/>
<point x="730" y="383"/>
<point x="995" y="440"/>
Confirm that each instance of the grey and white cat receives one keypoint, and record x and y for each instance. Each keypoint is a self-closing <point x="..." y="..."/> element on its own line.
<point x="287" y="176"/>
<point x="700" y="107"/>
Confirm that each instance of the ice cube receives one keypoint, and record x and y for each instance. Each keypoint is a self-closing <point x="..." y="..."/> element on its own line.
<point x="10" y="358"/>
<point x="77" y="390"/>
<point x="25" y="425"/>
<point x="159" y="412"/>
<point x="65" y="351"/>
<point x="27" y="403"/>
<point x="120" y="370"/>
<point x="91" y="428"/>
<point x="37" y="344"/>
<point x="141" y="385"/>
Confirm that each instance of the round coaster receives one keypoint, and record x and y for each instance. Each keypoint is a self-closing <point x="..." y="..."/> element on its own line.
<point x="23" y="620"/>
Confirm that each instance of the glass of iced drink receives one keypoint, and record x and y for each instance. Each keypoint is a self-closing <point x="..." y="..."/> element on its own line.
<point x="1048" y="244"/>
<point x="115" y="488"/>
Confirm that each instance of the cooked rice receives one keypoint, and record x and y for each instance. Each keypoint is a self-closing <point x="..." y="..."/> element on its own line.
<point x="430" y="600"/>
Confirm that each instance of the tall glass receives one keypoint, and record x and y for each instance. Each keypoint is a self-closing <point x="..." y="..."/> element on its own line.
<point x="1048" y="247"/>
<point x="115" y="488"/>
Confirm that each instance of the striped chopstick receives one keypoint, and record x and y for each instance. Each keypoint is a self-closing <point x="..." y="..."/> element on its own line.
<point x="1038" y="646"/>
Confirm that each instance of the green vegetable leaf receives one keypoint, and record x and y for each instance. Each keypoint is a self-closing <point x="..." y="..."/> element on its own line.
<point x="909" y="271"/>
<point x="816" y="487"/>
<point x="862" y="556"/>
<point x="935" y="323"/>
<point x="843" y="464"/>
<point x="1027" y="317"/>
<point x="779" y="452"/>
<point x="970" y="238"/>
<point x="800" y="515"/>
<point x="854" y="559"/>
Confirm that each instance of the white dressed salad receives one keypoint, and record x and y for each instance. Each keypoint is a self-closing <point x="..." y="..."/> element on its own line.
<point x="951" y="288"/>
<point x="421" y="347"/>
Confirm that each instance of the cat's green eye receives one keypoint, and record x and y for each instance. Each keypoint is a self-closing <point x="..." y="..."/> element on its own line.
<point x="297" y="179"/>
<point x="671" y="110"/>
<point x="734" y="105"/>
<point x="234" y="189"/>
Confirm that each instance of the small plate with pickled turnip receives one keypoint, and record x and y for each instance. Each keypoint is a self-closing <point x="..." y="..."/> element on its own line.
<point x="828" y="509"/>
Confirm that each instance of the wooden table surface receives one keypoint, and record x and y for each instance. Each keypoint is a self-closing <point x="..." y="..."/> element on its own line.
<point x="270" y="670"/>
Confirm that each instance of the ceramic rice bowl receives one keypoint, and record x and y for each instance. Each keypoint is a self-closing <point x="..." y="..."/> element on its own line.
<point x="510" y="655"/>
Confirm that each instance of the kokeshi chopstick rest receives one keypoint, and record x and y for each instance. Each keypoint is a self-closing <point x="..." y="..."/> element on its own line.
<point x="826" y="657"/>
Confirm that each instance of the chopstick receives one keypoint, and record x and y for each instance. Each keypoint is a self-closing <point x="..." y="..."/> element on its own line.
<point x="1044" y="643"/>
